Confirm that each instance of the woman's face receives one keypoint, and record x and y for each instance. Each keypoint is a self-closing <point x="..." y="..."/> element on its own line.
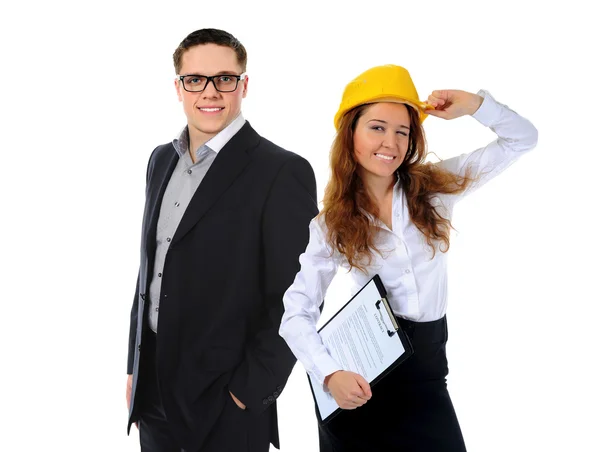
<point x="381" y="139"/>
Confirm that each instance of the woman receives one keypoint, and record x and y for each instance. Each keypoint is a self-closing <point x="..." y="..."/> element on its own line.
<point x="387" y="211"/>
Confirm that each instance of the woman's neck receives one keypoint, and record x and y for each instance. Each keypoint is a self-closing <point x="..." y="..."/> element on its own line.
<point x="381" y="191"/>
<point x="379" y="188"/>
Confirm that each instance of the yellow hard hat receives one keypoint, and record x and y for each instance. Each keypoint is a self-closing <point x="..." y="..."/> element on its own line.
<point x="388" y="83"/>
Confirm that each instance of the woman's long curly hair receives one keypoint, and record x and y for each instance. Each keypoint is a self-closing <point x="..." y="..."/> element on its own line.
<point x="346" y="200"/>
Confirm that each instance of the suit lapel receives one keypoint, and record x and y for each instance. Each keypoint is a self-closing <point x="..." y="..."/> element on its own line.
<point x="227" y="166"/>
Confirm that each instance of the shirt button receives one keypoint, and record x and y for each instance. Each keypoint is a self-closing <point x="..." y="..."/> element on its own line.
<point x="189" y="171"/>
<point x="160" y="275"/>
<point x="176" y="204"/>
<point x="168" y="239"/>
<point x="157" y="309"/>
<point x="407" y="271"/>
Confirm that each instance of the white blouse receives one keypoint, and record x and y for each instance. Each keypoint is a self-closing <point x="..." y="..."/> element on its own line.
<point x="416" y="283"/>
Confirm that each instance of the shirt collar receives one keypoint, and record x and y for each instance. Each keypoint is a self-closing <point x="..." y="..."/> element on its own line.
<point x="216" y="143"/>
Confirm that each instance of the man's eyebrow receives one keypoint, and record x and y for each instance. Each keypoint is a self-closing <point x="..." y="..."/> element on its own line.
<point x="218" y="73"/>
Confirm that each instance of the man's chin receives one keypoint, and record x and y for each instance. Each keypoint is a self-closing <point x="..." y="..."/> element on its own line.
<point x="212" y="127"/>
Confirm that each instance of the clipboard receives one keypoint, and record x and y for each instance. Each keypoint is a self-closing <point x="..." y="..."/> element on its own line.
<point x="366" y="318"/>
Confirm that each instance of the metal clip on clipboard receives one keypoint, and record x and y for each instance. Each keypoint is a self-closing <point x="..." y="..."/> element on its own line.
<point x="386" y="304"/>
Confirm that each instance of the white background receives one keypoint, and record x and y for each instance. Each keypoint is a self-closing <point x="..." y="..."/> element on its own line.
<point x="87" y="93"/>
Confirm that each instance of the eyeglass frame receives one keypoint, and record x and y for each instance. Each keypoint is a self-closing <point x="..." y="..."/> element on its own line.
<point x="211" y="78"/>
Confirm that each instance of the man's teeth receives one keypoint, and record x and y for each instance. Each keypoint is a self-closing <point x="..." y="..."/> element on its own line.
<point x="385" y="157"/>
<point x="210" y="109"/>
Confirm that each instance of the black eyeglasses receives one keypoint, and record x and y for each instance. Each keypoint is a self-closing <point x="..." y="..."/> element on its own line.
<point x="224" y="83"/>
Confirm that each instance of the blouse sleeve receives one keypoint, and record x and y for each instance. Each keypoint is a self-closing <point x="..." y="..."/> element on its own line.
<point x="515" y="137"/>
<point x="318" y="266"/>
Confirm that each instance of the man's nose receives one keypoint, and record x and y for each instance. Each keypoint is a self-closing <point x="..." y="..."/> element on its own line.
<point x="210" y="92"/>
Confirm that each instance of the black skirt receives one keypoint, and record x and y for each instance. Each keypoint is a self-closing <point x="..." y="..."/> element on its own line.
<point x="410" y="409"/>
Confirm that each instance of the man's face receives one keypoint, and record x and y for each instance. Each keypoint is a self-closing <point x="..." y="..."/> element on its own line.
<point x="210" y="111"/>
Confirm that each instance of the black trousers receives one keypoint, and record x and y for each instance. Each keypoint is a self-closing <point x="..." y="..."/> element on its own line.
<point x="410" y="410"/>
<point x="234" y="431"/>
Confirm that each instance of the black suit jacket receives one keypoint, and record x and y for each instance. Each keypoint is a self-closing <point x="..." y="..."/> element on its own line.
<point x="229" y="263"/>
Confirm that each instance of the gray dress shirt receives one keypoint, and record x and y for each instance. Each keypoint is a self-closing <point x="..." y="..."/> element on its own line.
<point x="184" y="182"/>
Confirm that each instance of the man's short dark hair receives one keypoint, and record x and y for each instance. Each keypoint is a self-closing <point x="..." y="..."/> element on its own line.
<point x="210" y="36"/>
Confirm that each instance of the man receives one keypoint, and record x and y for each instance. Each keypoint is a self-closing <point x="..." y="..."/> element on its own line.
<point x="225" y="220"/>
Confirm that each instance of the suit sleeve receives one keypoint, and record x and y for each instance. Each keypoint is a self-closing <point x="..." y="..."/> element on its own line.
<point x="133" y="327"/>
<point x="290" y="207"/>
